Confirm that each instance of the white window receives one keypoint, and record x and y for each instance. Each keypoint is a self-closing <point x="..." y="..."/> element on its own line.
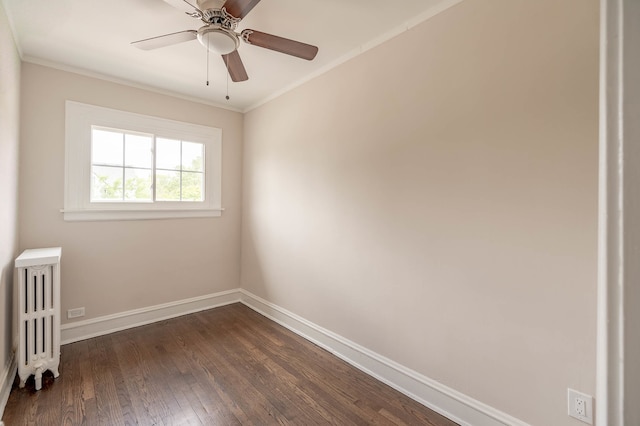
<point x="123" y="166"/>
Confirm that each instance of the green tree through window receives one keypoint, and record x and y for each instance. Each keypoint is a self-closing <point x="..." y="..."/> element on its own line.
<point x="123" y="166"/>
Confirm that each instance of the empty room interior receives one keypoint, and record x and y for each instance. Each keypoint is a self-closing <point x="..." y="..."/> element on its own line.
<point x="419" y="200"/>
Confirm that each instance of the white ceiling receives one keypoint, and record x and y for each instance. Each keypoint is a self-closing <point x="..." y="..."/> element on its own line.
<point x="94" y="36"/>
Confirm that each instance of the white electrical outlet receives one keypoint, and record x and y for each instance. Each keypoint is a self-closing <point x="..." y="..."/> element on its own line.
<point x="75" y="313"/>
<point x="580" y="406"/>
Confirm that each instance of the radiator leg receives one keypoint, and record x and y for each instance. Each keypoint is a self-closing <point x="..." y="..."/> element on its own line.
<point x="23" y="378"/>
<point x="55" y="372"/>
<point x="38" y="377"/>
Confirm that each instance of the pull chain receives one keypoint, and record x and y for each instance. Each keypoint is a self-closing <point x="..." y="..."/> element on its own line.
<point x="227" y="97"/>
<point x="207" y="59"/>
<point x="225" y="58"/>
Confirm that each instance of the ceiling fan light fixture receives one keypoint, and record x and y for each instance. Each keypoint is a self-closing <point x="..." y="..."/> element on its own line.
<point x="218" y="40"/>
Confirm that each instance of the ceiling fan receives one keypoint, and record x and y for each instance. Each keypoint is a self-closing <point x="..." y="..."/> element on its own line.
<point x="218" y="34"/>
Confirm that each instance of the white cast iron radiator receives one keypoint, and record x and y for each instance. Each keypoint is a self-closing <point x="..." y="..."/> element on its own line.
<point x="38" y="278"/>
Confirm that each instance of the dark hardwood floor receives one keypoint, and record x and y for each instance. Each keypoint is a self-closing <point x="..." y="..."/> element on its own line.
<point x="223" y="366"/>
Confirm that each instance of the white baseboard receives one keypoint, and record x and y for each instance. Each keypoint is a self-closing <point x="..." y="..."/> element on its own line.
<point x="6" y="382"/>
<point x="438" y="397"/>
<point x="450" y="403"/>
<point x="94" y="327"/>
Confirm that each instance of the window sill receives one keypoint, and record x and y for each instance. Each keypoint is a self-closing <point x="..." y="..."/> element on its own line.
<point x="98" y="215"/>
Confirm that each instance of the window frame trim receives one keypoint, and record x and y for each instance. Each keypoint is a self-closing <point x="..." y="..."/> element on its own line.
<point x="79" y="119"/>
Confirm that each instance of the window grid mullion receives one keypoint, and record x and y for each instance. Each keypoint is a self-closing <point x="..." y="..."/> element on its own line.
<point x="153" y="169"/>
<point x="123" y="166"/>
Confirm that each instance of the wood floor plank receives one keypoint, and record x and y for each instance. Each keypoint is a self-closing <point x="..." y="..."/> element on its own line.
<point x="141" y="377"/>
<point x="209" y="360"/>
<point x="226" y="366"/>
<point x="108" y="407"/>
<point x="290" y="393"/>
<point x="335" y="379"/>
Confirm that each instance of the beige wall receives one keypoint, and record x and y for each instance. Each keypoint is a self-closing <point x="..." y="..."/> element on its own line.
<point x="435" y="200"/>
<point x="9" y="127"/>
<point x="111" y="267"/>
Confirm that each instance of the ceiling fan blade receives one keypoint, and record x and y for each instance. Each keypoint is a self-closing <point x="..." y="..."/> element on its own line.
<point x="235" y="66"/>
<point x="187" y="6"/>
<point x="239" y="8"/>
<point x="165" y="40"/>
<point x="280" y="44"/>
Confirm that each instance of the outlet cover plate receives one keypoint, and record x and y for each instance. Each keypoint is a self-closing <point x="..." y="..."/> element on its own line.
<point x="75" y="313"/>
<point x="580" y="406"/>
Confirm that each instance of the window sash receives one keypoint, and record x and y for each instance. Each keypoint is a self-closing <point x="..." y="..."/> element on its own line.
<point x="81" y="118"/>
<point x="123" y="167"/>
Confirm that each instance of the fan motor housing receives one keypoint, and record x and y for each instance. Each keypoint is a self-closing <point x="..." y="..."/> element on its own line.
<point x="218" y="39"/>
